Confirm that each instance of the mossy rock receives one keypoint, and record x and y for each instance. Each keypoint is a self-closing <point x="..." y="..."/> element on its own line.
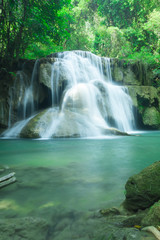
<point x="144" y="96"/>
<point x="152" y="218"/>
<point x="32" y="128"/>
<point x="146" y="100"/>
<point x="143" y="189"/>
<point x="47" y="120"/>
<point x="52" y="123"/>
<point x="151" y="117"/>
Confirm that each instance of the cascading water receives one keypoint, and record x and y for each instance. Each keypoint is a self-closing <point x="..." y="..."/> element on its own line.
<point x="10" y="107"/>
<point x="22" y="95"/>
<point x="85" y="101"/>
<point x="28" y="99"/>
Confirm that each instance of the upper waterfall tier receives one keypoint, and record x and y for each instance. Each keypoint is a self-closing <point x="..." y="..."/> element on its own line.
<point x="85" y="100"/>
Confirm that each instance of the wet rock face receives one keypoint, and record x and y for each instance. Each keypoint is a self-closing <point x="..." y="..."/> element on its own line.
<point x="28" y="67"/>
<point x="44" y="124"/>
<point x="146" y="100"/>
<point x="131" y="73"/>
<point x="151" y="117"/>
<point x="45" y="74"/>
<point x="143" y="189"/>
<point x="49" y="70"/>
<point x="33" y="128"/>
<point x="138" y="77"/>
<point x="51" y="123"/>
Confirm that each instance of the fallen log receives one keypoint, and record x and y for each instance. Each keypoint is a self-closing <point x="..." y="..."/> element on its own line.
<point x="7" y="179"/>
<point x="153" y="230"/>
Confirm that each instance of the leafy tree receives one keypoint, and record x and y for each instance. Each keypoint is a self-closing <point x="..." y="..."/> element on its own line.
<point x="114" y="28"/>
<point x="123" y="14"/>
<point x="81" y="29"/>
<point x="25" y="21"/>
<point x="152" y="26"/>
<point x="111" y="42"/>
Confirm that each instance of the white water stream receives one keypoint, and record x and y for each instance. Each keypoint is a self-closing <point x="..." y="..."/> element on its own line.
<point x="90" y="101"/>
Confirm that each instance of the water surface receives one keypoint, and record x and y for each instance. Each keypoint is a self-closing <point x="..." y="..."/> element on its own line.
<point x="72" y="174"/>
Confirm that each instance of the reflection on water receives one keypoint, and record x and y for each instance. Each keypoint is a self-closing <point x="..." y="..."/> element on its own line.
<point x="74" y="175"/>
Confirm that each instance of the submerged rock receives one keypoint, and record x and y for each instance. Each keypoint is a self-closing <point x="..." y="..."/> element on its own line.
<point x="143" y="189"/>
<point x="24" y="228"/>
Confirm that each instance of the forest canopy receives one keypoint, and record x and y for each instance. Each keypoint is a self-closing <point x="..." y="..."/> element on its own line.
<point x="112" y="28"/>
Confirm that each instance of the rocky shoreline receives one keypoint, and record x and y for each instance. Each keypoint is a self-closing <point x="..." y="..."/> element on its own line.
<point x="141" y="207"/>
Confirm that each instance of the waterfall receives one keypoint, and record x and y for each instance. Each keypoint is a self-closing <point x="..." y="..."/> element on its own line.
<point x="54" y="82"/>
<point x="22" y="94"/>
<point x="89" y="88"/>
<point x="16" y="129"/>
<point x="10" y="107"/>
<point x="29" y="105"/>
<point x="85" y="101"/>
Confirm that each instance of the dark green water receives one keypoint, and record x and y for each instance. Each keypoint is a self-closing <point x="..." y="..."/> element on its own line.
<point x="72" y="175"/>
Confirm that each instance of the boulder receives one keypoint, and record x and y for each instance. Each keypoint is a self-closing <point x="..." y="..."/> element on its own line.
<point x="33" y="128"/>
<point x="152" y="218"/>
<point x="143" y="189"/>
<point x="55" y="123"/>
<point x="51" y="123"/>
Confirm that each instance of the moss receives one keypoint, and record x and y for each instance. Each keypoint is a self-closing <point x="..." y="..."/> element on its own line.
<point x="146" y="99"/>
<point x="31" y="130"/>
<point x="143" y="189"/>
<point x="152" y="218"/>
<point x="151" y="117"/>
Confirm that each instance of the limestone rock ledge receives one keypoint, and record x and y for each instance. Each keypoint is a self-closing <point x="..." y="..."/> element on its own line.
<point x="137" y="76"/>
<point x="146" y="100"/>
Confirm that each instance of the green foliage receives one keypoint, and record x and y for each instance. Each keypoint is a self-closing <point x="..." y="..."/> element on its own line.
<point x="123" y="14"/>
<point x="25" y="21"/>
<point x="156" y="71"/>
<point x="13" y="74"/>
<point x="127" y="29"/>
<point x="81" y="29"/>
<point x="111" y="42"/>
<point x="136" y="37"/>
<point x="145" y="55"/>
<point x="152" y="26"/>
<point x="39" y="50"/>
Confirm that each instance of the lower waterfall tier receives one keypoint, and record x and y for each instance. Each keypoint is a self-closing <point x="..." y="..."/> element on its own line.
<point x="79" y="95"/>
<point x="52" y="123"/>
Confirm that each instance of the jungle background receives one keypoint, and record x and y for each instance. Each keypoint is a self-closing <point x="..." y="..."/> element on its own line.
<point x="127" y="29"/>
